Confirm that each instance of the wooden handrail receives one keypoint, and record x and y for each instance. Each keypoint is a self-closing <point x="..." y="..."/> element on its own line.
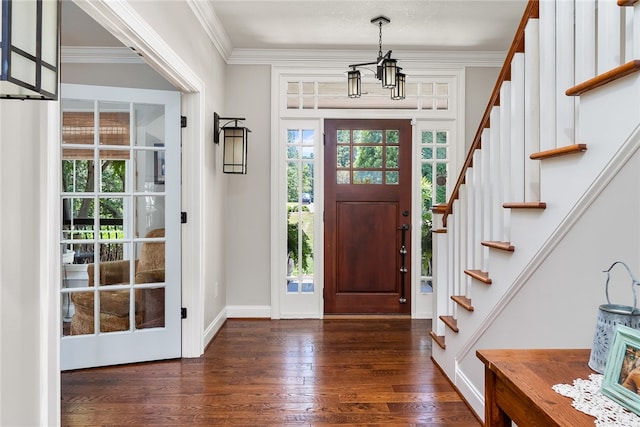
<point x="559" y="151"/>
<point x="517" y="45"/>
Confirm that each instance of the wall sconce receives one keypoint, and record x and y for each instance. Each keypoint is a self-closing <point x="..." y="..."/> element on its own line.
<point x="29" y="49"/>
<point x="235" y="143"/>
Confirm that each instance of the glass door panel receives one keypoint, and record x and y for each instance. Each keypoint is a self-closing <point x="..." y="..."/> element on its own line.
<point x="114" y="208"/>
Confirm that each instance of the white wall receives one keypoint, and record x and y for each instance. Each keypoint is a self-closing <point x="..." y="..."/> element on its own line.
<point x="22" y="147"/>
<point x="247" y="212"/>
<point x="119" y="75"/>
<point x="479" y="83"/>
<point x="247" y="206"/>
<point x="558" y="306"/>
<point x="205" y="200"/>
<point x="29" y="381"/>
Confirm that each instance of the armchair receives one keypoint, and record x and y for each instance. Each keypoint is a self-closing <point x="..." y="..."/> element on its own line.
<point x="114" y="305"/>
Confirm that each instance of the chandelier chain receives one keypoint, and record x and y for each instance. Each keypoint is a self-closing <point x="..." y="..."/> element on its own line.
<point x="380" y="40"/>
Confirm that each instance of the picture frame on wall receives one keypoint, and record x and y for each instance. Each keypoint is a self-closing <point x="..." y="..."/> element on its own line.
<point x="621" y="381"/>
<point x="158" y="165"/>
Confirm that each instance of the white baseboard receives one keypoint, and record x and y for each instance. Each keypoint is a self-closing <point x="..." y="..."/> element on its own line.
<point x="248" y="311"/>
<point x="474" y="397"/>
<point x="422" y="315"/>
<point x="213" y="328"/>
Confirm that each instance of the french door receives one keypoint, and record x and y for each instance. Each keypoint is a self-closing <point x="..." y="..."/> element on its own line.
<point x="120" y="228"/>
<point x="367" y="216"/>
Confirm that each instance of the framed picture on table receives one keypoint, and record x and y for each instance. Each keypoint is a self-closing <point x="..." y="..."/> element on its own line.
<point x="621" y="381"/>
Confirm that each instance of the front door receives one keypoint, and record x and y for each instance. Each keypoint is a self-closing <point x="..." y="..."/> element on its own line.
<point x="367" y="216"/>
<point x="120" y="226"/>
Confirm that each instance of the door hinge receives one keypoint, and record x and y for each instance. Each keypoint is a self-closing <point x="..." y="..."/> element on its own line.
<point x="183" y="312"/>
<point x="183" y="121"/>
<point x="183" y="217"/>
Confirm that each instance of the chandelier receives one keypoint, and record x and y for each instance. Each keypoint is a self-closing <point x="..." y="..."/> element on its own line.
<point x="387" y="70"/>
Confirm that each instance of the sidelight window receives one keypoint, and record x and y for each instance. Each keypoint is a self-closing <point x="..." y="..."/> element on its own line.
<point x="300" y="209"/>
<point x="434" y="159"/>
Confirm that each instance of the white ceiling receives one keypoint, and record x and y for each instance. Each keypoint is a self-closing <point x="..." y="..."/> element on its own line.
<point x="419" y="25"/>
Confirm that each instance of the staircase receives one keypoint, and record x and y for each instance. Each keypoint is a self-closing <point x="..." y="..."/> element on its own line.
<point x="548" y="195"/>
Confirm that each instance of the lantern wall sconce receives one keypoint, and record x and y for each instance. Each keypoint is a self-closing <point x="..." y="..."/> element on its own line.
<point x="387" y="70"/>
<point x="30" y="49"/>
<point x="234" y="142"/>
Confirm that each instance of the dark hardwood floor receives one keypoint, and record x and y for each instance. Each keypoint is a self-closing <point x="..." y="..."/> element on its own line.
<point x="355" y="372"/>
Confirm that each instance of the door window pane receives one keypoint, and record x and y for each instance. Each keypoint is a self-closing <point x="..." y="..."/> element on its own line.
<point x="367" y="177"/>
<point x="392" y="157"/>
<point x="77" y="175"/>
<point x="343" y="158"/>
<point x="392" y="178"/>
<point x="367" y="157"/>
<point x="367" y="136"/>
<point x="81" y="313"/>
<point x="112" y="176"/>
<point x="393" y="137"/>
<point x="151" y="305"/>
<point x="344" y="137"/>
<point x="150" y="213"/>
<point x="114" y="123"/>
<point x="114" y="311"/>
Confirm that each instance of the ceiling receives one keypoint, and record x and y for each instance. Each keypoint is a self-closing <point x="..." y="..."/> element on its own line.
<point x="419" y="25"/>
<point x="423" y="25"/>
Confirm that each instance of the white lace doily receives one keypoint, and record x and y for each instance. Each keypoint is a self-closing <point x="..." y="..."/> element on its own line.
<point x="588" y="399"/>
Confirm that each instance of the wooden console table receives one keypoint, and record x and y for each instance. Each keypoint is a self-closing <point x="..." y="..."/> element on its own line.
<point x="518" y="387"/>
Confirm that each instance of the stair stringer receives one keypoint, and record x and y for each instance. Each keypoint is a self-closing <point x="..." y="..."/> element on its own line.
<point x="563" y="283"/>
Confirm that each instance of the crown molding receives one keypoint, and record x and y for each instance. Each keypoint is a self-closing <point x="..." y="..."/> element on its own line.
<point x="204" y="12"/>
<point x="293" y="57"/>
<point x="99" y="55"/>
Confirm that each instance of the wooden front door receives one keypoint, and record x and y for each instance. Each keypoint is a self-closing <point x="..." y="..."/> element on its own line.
<point x="367" y="216"/>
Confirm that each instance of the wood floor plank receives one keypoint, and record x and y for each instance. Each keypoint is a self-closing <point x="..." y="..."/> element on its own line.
<point x="356" y="372"/>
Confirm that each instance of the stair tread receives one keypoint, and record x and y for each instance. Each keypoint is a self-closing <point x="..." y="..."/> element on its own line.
<point x="505" y="246"/>
<point x="463" y="301"/>
<point x="439" y="339"/>
<point x="450" y="322"/>
<point x="604" y="78"/>
<point x="439" y="209"/>
<point x="439" y="230"/>
<point x="559" y="151"/>
<point x="524" y="205"/>
<point x="627" y="2"/>
<point x="479" y="275"/>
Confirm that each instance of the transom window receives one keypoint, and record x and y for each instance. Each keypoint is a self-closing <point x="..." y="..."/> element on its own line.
<point x="433" y="95"/>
